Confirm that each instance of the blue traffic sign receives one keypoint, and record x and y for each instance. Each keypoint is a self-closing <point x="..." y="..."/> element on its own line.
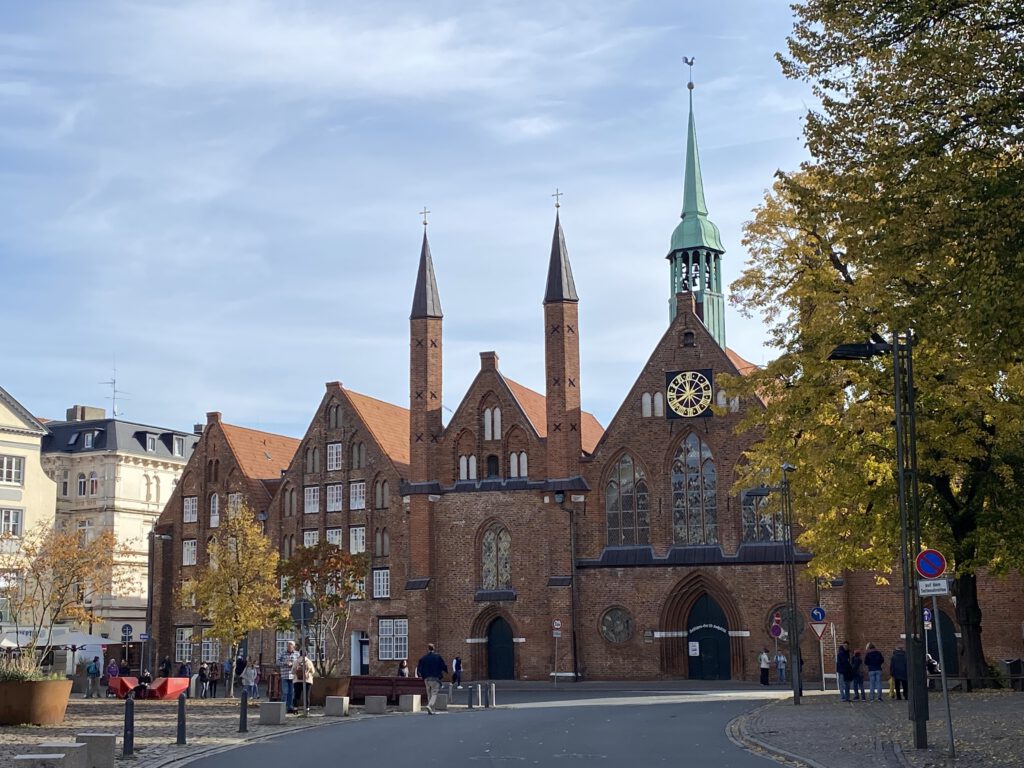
<point x="817" y="613"/>
<point x="143" y="636"/>
<point x="930" y="564"/>
<point x="126" y="629"/>
<point x="927" y="614"/>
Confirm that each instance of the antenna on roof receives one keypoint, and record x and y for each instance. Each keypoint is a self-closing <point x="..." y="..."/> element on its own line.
<point x="114" y="392"/>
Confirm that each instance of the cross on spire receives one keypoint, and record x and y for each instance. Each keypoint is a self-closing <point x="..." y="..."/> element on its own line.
<point x="424" y="213"/>
<point x="558" y="198"/>
<point x="689" y="62"/>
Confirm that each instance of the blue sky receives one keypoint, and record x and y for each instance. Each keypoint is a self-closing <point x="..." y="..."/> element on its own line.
<point x="223" y="196"/>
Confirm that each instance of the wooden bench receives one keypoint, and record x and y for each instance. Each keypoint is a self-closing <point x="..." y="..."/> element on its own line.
<point x="361" y="686"/>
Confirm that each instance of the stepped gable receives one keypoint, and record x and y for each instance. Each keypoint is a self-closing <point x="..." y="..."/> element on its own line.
<point x="388" y="423"/>
<point x="533" y="405"/>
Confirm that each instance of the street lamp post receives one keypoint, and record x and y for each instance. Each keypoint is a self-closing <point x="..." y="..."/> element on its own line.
<point x="901" y="349"/>
<point x="789" y="555"/>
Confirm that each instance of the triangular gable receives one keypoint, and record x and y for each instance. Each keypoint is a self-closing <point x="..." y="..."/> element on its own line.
<point x="20" y="420"/>
<point x="260" y="455"/>
<point x="387" y="423"/>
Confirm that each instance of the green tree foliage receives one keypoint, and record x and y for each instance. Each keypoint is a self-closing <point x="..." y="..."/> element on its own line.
<point x="330" y="578"/>
<point x="909" y="216"/>
<point x="237" y="590"/>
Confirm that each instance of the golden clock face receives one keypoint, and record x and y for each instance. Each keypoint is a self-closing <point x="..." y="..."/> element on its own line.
<point x="689" y="393"/>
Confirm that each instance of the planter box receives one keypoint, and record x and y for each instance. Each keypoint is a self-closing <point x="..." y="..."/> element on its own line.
<point x="327" y="686"/>
<point x="39" y="702"/>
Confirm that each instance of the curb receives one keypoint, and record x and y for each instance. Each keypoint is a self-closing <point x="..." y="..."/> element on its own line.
<point x="737" y="732"/>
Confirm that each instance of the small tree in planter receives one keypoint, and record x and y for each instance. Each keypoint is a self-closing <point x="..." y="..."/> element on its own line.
<point x="236" y="590"/>
<point x="330" y="579"/>
<point x="48" y="577"/>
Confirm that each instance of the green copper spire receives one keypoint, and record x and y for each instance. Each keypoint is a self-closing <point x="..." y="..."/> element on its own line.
<point x="696" y="251"/>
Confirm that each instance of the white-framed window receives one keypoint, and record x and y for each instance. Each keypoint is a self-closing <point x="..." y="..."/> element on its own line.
<point x="65" y="483"/>
<point x="190" y="509"/>
<point x="151" y="443"/>
<point x="94" y="484"/>
<point x="392" y="639"/>
<point x="10" y="522"/>
<point x="357" y="495"/>
<point x="210" y="650"/>
<point x="188" y="552"/>
<point x="179" y="446"/>
<point x="183" y="643"/>
<point x="282" y="642"/>
<point x="335" y="536"/>
<point x="333" y="456"/>
<point x="335" y="497"/>
<point x="381" y="582"/>
<point x="89" y="436"/>
<point x="81" y="484"/>
<point x="234" y="503"/>
<point x="357" y="539"/>
<point x="311" y="497"/>
<point x="85" y="531"/>
<point x="310" y="538"/>
<point x="214" y="510"/>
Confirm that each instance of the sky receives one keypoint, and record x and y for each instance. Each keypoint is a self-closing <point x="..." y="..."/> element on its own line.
<point x="221" y="198"/>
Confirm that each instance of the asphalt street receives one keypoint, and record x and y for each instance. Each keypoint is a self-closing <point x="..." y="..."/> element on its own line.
<point x="543" y="729"/>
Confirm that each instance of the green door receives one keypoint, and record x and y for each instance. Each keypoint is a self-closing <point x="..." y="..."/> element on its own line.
<point x="501" y="658"/>
<point x="706" y="626"/>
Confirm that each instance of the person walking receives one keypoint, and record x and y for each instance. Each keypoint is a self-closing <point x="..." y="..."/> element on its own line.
<point x="431" y="668"/>
<point x="93" y="672"/>
<point x="857" y="664"/>
<point x="286" y="667"/>
<point x="204" y="680"/>
<point x="765" y="664"/>
<point x="898" y="672"/>
<point x="304" y="674"/>
<point x="874" y="661"/>
<point x="844" y="672"/>
<point x="457" y="671"/>
<point x="780" y="666"/>
<point x="214" y="678"/>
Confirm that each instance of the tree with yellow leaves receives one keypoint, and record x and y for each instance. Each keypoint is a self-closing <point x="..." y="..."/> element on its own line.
<point x="236" y="591"/>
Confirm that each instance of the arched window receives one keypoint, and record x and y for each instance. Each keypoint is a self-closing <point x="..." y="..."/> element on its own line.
<point x="523" y="469"/>
<point x="378" y="542"/>
<point x="81" y="484"/>
<point x="472" y="467"/>
<point x="94" y="484"/>
<point x="513" y="464"/>
<point x="496" y="422"/>
<point x="694" y="494"/>
<point x="214" y="510"/>
<point x="495" y="558"/>
<point x="156" y="489"/>
<point x="147" y="488"/>
<point x="463" y="467"/>
<point x="333" y="417"/>
<point x="627" y="504"/>
<point x="659" y="404"/>
<point x="385" y="495"/>
<point x="358" y="455"/>
<point x="386" y="549"/>
<point x="492" y="466"/>
<point x="760" y="523"/>
<point x="645" y="404"/>
<point x="488" y="434"/>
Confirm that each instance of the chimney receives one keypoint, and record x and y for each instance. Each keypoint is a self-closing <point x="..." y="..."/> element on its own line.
<point x="85" y="413"/>
<point x="488" y="361"/>
<point x="213" y="417"/>
<point x="687" y="300"/>
<point x="197" y="429"/>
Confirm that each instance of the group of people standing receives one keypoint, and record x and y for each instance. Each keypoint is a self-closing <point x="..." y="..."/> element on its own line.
<point x="850" y="667"/>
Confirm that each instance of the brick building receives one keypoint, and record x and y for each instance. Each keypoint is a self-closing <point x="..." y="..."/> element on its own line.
<point x="532" y="542"/>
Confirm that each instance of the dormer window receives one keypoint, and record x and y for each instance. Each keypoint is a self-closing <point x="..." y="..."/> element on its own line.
<point x="151" y="443"/>
<point x="73" y="439"/>
<point x="179" y="446"/>
<point x="89" y="436"/>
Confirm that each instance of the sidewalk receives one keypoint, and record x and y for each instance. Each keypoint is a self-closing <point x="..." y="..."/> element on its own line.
<point x="824" y="732"/>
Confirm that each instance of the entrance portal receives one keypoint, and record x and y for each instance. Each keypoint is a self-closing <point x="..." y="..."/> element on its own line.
<point x="501" y="656"/>
<point x="708" y="641"/>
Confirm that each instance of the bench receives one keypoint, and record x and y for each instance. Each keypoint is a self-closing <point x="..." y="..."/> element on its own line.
<point x="361" y="686"/>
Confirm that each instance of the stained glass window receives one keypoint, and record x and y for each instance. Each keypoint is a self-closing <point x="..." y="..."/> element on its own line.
<point x="761" y="521"/>
<point x="627" y="504"/>
<point x="496" y="559"/>
<point x="694" y="494"/>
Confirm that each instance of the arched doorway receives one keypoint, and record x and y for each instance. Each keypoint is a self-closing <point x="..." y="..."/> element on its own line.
<point x="707" y="635"/>
<point x="950" y="656"/>
<point x="501" y="656"/>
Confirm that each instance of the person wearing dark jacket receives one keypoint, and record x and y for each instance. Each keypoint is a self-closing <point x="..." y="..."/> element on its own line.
<point x="898" y="672"/>
<point x="857" y="665"/>
<point x="874" y="661"/>
<point x="431" y="668"/>
<point x="844" y="671"/>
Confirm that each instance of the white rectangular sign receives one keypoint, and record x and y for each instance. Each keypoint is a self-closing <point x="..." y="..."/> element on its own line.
<point x="928" y="587"/>
<point x="556" y="633"/>
<point x="694" y="648"/>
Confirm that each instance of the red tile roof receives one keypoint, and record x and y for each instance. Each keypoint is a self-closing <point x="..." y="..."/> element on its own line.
<point x="389" y="425"/>
<point x="534" y="405"/>
<point x="260" y="455"/>
<point x="745" y="367"/>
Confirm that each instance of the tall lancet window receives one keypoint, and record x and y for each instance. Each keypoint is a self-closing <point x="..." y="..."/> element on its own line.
<point x="627" y="504"/>
<point x="694" y="493"/>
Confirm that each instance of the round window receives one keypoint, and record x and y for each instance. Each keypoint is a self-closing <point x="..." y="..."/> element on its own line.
<point x="616" y="625"/>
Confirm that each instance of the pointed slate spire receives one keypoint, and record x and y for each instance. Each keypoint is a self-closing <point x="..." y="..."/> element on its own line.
<point x="695" y="230"/>
<point x="425" y="300"/>
<point x="560" y="285"/>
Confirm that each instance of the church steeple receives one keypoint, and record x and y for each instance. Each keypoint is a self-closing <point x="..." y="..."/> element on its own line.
<point x="560" y="285"/>
<point x="696" y="249"/>
<point x="425" y="300"/>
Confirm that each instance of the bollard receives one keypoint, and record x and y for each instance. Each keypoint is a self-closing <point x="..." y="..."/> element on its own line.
<point x="493" y="695"/>
<point x="181" y="718"/>
<point x="469" y="696"/>
<point x="128" y="743"/>
<point x="487" y="696"/>
<point x="243" y="714"/>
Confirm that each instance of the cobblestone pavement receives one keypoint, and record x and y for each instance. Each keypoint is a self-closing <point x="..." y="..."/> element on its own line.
<point x="211" y="725"/>
<point x="824" y="732"/>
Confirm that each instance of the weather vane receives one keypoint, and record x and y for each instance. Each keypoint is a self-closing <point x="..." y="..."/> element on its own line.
<point x="558" y="198"/>
<point x="689" y="62"/>
<point x="424" y="213"/>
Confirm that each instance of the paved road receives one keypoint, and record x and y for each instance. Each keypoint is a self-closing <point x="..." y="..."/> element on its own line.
<point x="548" y="730"/>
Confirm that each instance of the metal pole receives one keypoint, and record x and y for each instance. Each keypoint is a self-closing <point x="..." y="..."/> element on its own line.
<point x="917" y="698"/>
<point x="128" y="741"/>
<point x="243" y="714"/>
<point x="181" y="718"/>
<point x="556" y="660"/>
<point x="149" y="604"/>
<point x="789" y="559"/>
<point x="942" y="672"/>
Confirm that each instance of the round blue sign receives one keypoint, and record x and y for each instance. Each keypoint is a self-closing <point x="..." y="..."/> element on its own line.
<point x="817" y="613"/>
<point x="927" y="614"/>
